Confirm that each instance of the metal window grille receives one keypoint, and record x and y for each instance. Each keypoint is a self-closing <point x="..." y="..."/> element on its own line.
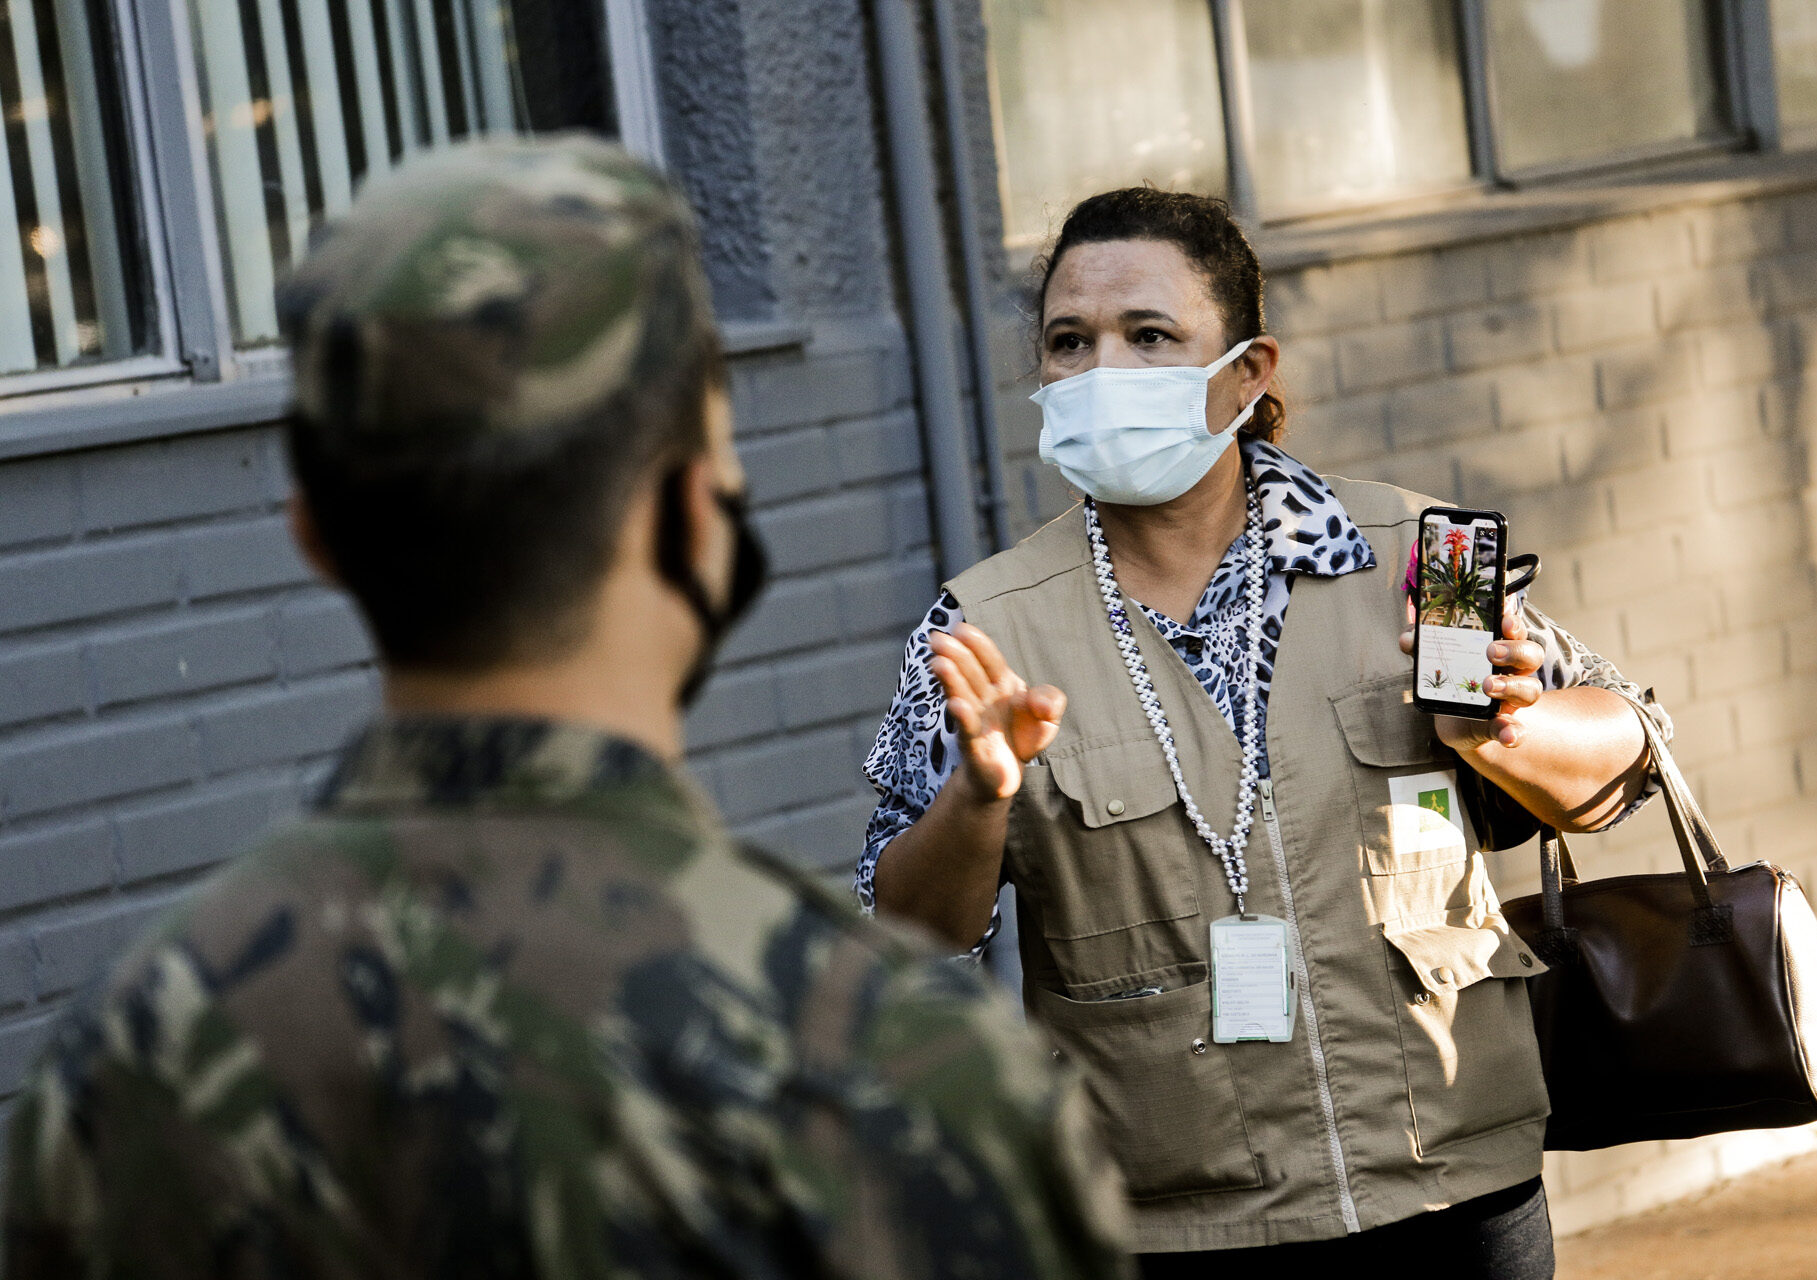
<point x="302" y="98"/>
<point x="134" y="246"/>
<point x="72" y="274"/>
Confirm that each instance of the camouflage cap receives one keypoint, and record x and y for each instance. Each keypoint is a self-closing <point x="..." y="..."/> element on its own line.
<point x="497" y="286"/>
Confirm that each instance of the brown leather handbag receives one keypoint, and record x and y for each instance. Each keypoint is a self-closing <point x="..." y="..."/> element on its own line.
<point x="1675" y="1005"/>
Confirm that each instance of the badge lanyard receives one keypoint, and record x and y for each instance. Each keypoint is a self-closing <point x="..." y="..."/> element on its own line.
<point x="1253" y="994"/>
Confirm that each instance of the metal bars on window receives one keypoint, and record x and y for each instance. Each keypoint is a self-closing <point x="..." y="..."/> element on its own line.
<point x="163" y="162"/>
<point x="1473" y="50"/>
<point x="72" y="281"/>
<point x="303" y="97"/>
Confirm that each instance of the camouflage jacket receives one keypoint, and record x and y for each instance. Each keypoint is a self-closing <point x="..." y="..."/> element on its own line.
<point x="512" y="1004"/>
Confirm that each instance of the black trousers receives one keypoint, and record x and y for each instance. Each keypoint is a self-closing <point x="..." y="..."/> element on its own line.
<point x="1506" y="1235"/>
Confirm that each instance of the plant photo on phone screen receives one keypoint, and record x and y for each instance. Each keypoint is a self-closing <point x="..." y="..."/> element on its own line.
<point x="1458" y="599"/>
<point x="1454" y="590"/>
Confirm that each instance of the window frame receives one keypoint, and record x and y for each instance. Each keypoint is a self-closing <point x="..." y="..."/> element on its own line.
<point x="1229" y="20"/>
<point x="196" y="379"/>
<point x="1742" y="32"/>
<point x="1732" y="76"/>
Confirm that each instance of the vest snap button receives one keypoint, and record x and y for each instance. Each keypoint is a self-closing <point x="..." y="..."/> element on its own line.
<point x="1443" y="974"/>
<point x="1422" y="998"/>
<point x="1198" y="1046"/>
<point x="1114" y="808"/>
<point x="1526" y="960"/>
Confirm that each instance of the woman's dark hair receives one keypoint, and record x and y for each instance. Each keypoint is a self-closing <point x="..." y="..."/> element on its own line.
<point x="1211" y="240"/>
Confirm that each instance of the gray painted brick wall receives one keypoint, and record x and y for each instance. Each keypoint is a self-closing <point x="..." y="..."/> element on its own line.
<point x="842" y="508"/>
<point x="173" y="680"/>
<point x="1635" y="393"/>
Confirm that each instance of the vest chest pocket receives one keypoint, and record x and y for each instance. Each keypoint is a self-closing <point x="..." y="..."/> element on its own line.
<point x="1100" y="841"/>
<point x="1466" y="1032"/>
<point x="1416" y="833"/>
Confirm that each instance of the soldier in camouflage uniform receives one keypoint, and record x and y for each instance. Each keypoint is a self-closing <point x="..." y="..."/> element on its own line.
<point x="510" y="1002"/>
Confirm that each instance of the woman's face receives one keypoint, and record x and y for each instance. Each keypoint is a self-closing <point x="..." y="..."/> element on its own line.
<point x="1130" y="304"/>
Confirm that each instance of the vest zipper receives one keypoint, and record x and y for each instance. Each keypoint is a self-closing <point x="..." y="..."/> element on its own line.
<point x="1346" y="1203"/>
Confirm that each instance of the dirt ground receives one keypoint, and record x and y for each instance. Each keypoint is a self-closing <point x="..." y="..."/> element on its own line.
<point x="1760" y="1227"/>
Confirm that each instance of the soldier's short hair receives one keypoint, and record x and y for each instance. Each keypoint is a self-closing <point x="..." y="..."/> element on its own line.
<point x="493" y="346"/>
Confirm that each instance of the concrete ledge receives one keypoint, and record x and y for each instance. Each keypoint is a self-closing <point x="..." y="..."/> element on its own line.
<point x="1491" y="214"/>
<point x="753" y="337"/>
<point x="1495" y="213"/>
<point x="155" y="409"/>
<point x="58" y="422"/>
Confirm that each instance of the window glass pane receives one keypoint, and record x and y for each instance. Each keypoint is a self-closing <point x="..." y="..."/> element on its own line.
<point x="73" y="284"/>
<point x="1090" y="95"/>
<point x="302" y="98"/>
<point x="1795" y="61"/>
<point x="1579" y="80"/>
<point x="1354" y="100"/>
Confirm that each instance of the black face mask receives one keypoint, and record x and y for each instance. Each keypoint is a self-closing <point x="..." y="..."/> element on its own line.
<point x="749" y="569"/>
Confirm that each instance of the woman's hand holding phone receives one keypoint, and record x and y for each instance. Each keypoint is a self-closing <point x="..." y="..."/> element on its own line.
<point x="1514" y="684"/>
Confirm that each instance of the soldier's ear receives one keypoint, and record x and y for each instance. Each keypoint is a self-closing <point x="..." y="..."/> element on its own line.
<point x="696" y="539"/>
<point x="308" y="537"/>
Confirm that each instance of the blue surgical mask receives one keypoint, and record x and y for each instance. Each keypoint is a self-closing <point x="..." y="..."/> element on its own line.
<point x="1135" y="437"/>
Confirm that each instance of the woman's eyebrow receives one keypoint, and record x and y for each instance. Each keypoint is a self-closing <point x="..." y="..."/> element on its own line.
<point x="1131" y="316"/>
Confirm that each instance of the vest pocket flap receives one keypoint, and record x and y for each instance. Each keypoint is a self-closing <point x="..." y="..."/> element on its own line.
<point x="1447" y="957"/>
<point x="1115" y="782"/>
<point x="1382" y="726"/>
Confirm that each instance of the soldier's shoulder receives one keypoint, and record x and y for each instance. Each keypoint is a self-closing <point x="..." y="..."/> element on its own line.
<point x="237" y="950"/>
<point x="280" y="873"/>
<point x="890" y="981"/>
<point x="925" y="1042"/>
<point x="820" y="909"/>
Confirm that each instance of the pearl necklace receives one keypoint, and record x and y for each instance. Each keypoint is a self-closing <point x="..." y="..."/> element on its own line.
<point x="1229" y="850"/>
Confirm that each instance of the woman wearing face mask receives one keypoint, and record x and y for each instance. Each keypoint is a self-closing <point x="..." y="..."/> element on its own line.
<point x="1177" y="720"/>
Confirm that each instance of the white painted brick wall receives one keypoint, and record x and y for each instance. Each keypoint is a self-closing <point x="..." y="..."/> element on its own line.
<point x="1642" y="416"/>
<point x="1637" y="396"/>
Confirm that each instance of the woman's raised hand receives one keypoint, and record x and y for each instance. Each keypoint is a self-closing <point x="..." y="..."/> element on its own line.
<point x="1003" y="723"/>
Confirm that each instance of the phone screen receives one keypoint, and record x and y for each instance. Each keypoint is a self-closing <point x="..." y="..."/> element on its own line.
<point x="1458" y="599"/>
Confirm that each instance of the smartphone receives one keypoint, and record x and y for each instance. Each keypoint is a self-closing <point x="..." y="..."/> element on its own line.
<point x="1459" y="583"/>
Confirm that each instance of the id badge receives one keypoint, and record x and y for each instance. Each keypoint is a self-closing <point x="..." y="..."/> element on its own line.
<point x="1253" y="993"/>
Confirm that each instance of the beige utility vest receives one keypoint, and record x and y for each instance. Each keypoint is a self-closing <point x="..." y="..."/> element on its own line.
<point x="1412" y="1080"/>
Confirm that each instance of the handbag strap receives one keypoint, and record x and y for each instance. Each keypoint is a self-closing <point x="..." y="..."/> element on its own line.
<point x="1556" y="869"/>
<point x="1697" y="846"/>
<point x="1696" y="838"/>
